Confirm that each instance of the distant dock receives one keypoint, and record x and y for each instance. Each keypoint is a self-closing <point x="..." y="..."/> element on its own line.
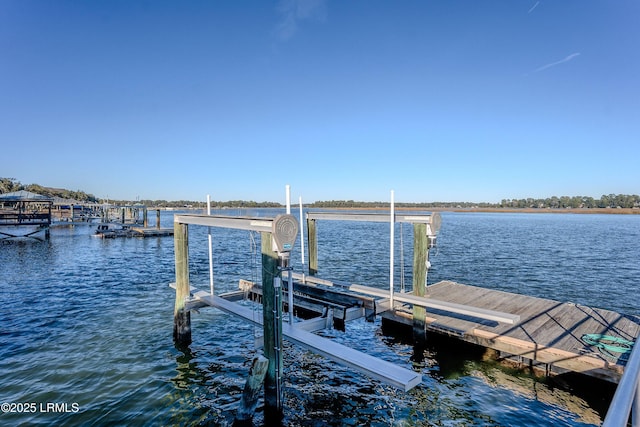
<point x="113" y="230"/>
<point x="128" y="224"/>
<point x="24" y="214"/>
<point x="151" y="231"/>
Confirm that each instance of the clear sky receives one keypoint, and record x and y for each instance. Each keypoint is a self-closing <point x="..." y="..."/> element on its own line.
<point x="459" y="100"/>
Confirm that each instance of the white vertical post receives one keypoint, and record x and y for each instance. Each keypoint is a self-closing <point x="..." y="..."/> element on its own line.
<point x="210" y="247"/>
<point x="289" y="278"/>
<point x="392" y="221"/>
<point x="288" y="199"/>
<point x="304" y="280"/>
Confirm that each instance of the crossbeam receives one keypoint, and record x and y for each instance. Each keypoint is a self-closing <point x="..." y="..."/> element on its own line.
<point x="366" y="364"/>
<point x="238" y="223"/>
<point x="372" y="217"/>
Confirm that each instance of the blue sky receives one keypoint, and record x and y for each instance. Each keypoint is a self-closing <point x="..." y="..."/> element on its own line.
<point x="438" y="100"/>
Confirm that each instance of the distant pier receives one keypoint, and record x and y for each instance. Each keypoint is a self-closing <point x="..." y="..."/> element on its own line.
<point x="129" y="225"/>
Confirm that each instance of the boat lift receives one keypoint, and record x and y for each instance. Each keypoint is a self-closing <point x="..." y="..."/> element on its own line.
<point x="278" y="235"/>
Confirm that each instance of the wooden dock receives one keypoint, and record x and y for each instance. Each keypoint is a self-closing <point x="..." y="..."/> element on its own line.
<point x="113" y="230"/>
<point x="151" y="231"/>
<point x="551" y="335"/>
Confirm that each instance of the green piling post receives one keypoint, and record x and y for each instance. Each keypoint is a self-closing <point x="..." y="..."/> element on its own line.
<point x="181" y="317"/>
<point x="272" y="324"/>
<point x="420" y="257"/>
<point x="313" y="246"/>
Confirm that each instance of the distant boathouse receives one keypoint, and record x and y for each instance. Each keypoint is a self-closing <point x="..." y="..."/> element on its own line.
<point x="24" y="214"/>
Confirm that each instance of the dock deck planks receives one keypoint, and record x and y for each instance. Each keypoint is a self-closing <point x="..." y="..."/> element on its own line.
<point x="549" y="331"/>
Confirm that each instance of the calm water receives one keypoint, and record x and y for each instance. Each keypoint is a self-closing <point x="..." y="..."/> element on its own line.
<point x="87" y="322"/>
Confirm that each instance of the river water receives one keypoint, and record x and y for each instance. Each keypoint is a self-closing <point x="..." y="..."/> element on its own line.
<point x="86" y="325"/>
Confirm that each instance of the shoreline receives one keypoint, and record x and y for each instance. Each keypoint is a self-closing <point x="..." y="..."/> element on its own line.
<point x="582" y="211"/>
<point x="613" y="211"/>
<point x="617" y="211"/>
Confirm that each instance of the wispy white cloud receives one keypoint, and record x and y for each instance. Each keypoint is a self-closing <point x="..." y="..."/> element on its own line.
<point x="553" y="64"/>
<point x="533" y="7"/>
<point x="292" y="12"/>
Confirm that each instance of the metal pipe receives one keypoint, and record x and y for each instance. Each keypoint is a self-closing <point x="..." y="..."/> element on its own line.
<point x="302" y="240"/>
<point x="277" y="327"/>
<point x="290" y="295"/>
<point x="626" y="393"/>
<point x="290" y="281"/>
<point x="288" y="198"/>
<point x="392" y="222"/>
<point x="210" y="246"/>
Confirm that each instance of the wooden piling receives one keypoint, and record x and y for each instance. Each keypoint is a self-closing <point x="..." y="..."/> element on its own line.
<point x="158" y="218"/>
<point x="420" y="257"/>
<point x="272" y="324"/>
<point x="312" y="240"/>
<point x="251" y="390"/>
<point x="145" y="220"/>
<point x="181" y="317"/>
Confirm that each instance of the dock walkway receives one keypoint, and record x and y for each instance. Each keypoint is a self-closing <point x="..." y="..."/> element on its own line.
<point x="547" y="335"/>
<point x="567" y="336"/>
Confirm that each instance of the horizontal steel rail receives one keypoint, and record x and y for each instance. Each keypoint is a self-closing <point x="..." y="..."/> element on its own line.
<point x="372" y="217"/>
<point x="238" y="223"/>
<point x="627" y="395"/>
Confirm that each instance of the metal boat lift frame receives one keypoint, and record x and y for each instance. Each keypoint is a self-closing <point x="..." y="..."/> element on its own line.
<point x="379" y="369"/>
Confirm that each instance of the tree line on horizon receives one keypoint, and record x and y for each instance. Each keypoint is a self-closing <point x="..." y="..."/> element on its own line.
<point x="8" y="185"/>
<point x="576" y="202"/>
<point x="554" y="202"/>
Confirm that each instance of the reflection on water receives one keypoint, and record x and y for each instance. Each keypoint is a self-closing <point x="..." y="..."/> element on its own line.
<point x="89" y="321"/>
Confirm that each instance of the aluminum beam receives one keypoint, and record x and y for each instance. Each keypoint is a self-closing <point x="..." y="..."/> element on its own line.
<point x="371" y="366"/>
<point x="238" y="223"/>
<point x="371" y="217"/>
